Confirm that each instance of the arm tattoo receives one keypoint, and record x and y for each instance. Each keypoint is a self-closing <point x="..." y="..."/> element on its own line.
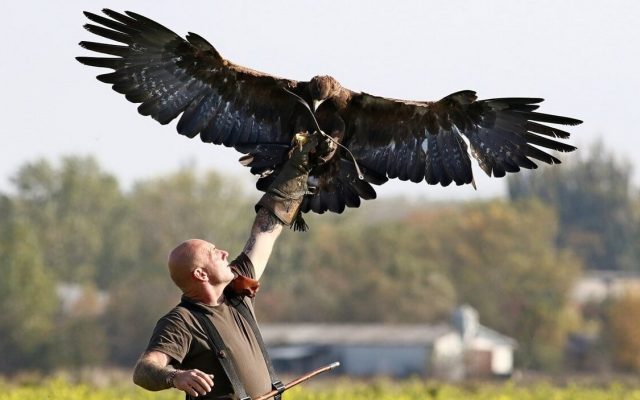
<point x="151" y="376"/>
<point x="265" y="221"/>
<point x="250" y="243"/>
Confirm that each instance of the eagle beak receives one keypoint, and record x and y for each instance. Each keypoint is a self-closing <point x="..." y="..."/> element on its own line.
<point x="316" y="104"/>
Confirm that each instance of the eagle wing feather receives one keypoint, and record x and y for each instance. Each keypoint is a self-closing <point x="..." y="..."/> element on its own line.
<point x="170" y="77"/>
<point x="419" y="140"/>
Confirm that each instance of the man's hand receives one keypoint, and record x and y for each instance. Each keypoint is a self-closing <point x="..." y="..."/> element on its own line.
<point x="152" y="372"/>
<point x="193" y="382"/>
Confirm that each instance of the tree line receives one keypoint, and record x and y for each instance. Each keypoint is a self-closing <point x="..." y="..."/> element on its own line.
<point x="72" y="225"/>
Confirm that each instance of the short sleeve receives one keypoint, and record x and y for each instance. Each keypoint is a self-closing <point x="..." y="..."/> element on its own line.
<point x="171" y="336"/>
<point x="244" y="265"/>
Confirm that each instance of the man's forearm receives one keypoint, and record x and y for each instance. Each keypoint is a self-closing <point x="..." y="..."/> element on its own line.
<point x="151" y="376"/>
<point x="265" y="222"/>
<point x="264" y="232"/>
<point x="153" y="372"/>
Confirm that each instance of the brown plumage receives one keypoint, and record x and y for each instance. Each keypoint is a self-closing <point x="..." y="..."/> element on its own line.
<point x="249" y="110"/>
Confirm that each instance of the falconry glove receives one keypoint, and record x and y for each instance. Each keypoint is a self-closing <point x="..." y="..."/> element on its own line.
<point x="285" y="194"/>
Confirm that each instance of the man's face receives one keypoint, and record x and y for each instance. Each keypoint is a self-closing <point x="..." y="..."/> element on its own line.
<point x="218" y="265"/>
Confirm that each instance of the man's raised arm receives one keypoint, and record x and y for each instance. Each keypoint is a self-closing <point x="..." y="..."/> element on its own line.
<point x="264" y="232"/>
<point x="280" y="204"/>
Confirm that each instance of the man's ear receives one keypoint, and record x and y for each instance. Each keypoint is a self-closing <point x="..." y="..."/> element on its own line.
<point x="200" y="274"/>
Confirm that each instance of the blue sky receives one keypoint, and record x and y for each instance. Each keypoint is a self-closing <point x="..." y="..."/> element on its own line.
<point x="583" y="57"/>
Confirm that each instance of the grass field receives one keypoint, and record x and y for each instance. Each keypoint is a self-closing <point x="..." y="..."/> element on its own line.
<point x="58" y="389"/>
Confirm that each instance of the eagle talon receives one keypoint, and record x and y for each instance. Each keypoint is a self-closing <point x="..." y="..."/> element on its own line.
<point x="300" y="139"/>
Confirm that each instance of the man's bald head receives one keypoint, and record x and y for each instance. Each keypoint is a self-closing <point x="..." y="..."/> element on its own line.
<point x="185" y="258"/>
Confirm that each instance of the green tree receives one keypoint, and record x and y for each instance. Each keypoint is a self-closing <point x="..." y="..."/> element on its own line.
<point x="347" y="269"/>
<point x="79" y="338"/>
<point x="593" y="198"/>
<point x="136" y="304"/>
<point x="75" y="211"/>
<point x="72" y="208"/>
<point x="502" y="259"/>
<point x="624" y="331"/>
<point x="27" y="296"/>
<point x="184" y="205"/>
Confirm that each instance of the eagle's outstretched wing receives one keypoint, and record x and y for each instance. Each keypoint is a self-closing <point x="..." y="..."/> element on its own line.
<point x="225" y="103"/>
<point x="430" y="140"/>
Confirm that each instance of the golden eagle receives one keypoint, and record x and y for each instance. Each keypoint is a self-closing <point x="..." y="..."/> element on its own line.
<point x="258" y="114"/>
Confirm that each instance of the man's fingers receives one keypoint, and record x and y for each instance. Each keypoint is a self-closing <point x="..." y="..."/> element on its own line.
<point x="188" y="387"/>
<point x="197" y="388"/>
<point x="194" y="382"/>
<point x="192" y="391"/>
<point x="207" y="378"/>
<point x="200" y="384"/>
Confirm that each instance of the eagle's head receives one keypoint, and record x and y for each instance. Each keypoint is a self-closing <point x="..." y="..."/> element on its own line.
<point x="323" y="87"/>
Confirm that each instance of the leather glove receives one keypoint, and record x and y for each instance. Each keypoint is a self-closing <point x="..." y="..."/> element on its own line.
<point x="285" y="194"/>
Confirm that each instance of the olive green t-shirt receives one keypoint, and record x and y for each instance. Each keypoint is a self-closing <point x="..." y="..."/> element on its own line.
<point x="179" y="335"/>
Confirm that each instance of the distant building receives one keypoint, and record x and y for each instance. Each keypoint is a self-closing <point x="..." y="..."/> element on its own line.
<point x="463" y="348"/>
<point x="596" y="286"/>
<point x="487" y="353"/>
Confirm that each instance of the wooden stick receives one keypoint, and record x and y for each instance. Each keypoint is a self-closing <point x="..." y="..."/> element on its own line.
<point x="300" y="380"/>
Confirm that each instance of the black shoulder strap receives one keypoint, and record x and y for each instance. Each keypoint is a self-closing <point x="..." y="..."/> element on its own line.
<point x="244" y="310"/>
<point x="220" y="349"/>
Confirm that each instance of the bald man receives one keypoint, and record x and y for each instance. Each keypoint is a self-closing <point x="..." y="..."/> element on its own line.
<point x="181" y="353"/>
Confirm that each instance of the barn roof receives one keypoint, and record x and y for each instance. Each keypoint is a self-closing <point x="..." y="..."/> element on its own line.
<point x="354" y="334"/>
